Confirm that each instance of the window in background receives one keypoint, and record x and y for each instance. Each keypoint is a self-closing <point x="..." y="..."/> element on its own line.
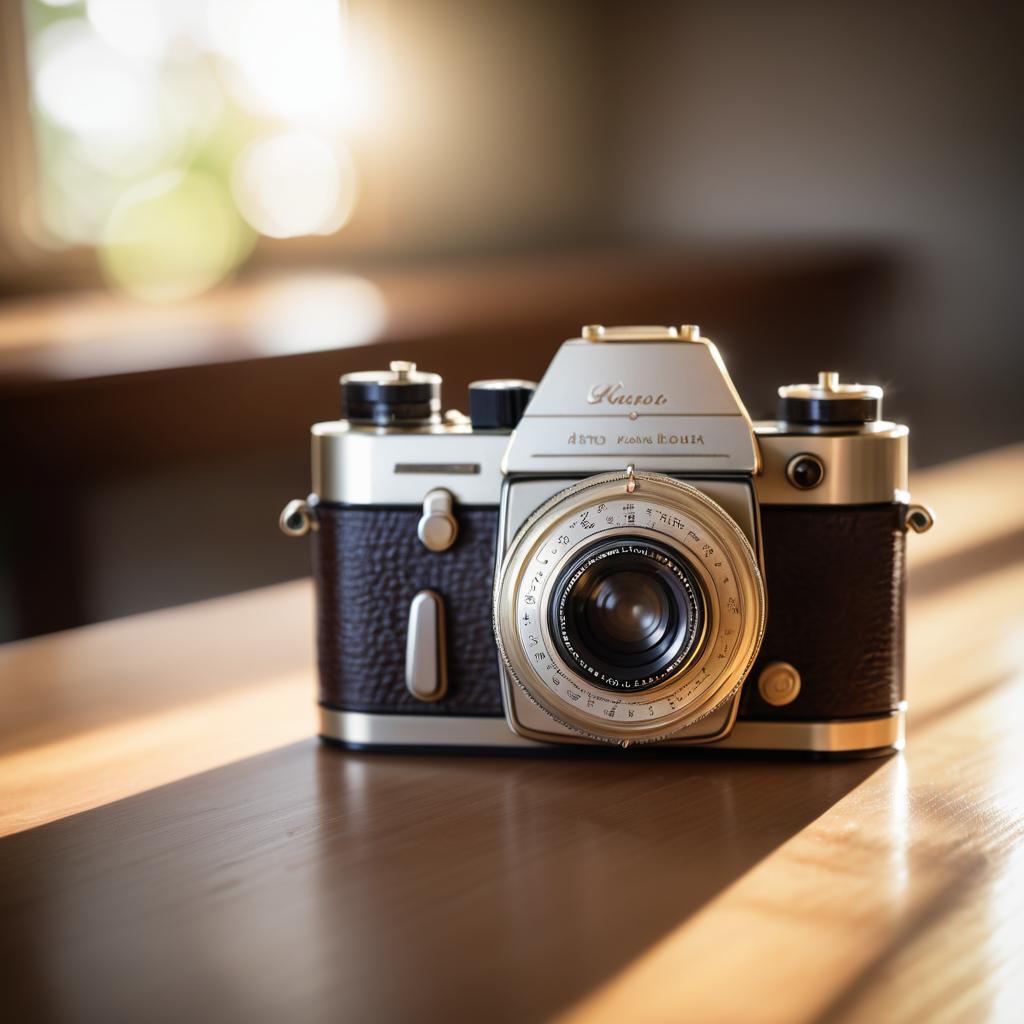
<point x="172" y="134"/>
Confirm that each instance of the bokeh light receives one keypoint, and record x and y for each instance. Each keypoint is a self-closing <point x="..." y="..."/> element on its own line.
<point x="285" y="56"/>
<point x="293" y="184"/>
<point x="169" y="130"/>
<point x="173" y="237"/>
<point x="89" y="89"/>
<point x="137" y="28"/>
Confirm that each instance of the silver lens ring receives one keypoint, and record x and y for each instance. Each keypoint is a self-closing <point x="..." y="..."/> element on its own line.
<point x="661" y="512"/>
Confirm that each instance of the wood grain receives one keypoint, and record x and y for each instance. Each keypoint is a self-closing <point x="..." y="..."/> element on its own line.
<point x="313" y="884"/>
<point x="99" y="713"/>
<point x="917" y="874"/>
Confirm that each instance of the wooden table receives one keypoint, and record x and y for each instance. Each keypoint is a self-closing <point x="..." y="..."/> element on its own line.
<point x="178" y="846"/>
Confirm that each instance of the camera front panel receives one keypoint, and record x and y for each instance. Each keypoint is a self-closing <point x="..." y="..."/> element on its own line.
<point x="651" y="559"/>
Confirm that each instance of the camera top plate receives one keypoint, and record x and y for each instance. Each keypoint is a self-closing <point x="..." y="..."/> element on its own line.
<point x="658" y="397"/>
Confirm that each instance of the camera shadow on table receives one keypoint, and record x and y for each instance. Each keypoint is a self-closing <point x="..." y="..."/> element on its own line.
<point x="515" y="885"/>
<point x="316" y="883"/>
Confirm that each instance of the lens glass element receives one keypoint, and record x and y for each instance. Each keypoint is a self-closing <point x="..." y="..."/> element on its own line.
<point x="627" y="614"/>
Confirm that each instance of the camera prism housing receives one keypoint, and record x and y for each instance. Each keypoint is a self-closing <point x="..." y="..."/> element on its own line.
<point x="618" y="557"/>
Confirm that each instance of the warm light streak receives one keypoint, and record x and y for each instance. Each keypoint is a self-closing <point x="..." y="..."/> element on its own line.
<point x="313" y="313"/>
<point x="86" y="770"/>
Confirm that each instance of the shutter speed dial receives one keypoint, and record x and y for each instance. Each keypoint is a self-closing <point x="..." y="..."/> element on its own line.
<point x="400" y="395"/>
<point x="403" y="396"/>
<point x="829" y="402"/>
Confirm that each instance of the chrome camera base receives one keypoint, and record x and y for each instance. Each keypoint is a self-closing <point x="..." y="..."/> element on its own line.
<point x="881" y="735"/>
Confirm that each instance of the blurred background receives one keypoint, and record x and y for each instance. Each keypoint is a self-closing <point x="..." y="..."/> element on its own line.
<point x="210" y="209"/>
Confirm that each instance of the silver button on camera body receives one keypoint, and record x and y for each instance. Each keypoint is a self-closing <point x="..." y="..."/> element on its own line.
<point x="438" y="526"/>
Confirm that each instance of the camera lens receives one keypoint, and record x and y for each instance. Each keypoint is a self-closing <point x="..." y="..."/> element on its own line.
<point x="629" y="608"/>
<point x="627" y="613"/>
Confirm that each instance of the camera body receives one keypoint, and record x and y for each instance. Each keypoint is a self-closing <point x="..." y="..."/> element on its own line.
<point x="617" y="557"/>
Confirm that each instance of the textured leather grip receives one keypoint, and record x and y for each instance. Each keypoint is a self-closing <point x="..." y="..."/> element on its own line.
<point x="835" y="609"/>
<point x="368" y="565"/>
<point x="836" y="596"/>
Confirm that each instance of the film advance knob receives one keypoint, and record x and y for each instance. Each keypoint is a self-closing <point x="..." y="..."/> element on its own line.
<point x="498" y="404"/>
<point x="829" y="402"/>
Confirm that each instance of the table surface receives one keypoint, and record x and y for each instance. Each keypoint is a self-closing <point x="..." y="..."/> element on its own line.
<point x="177" y="843"/>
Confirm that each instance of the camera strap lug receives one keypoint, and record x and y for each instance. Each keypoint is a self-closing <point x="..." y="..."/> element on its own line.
<point x="919" y="518"/>
<point x="298" y="517"/>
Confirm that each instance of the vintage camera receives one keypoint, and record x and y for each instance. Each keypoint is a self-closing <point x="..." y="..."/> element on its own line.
<point x="617" y="555"/>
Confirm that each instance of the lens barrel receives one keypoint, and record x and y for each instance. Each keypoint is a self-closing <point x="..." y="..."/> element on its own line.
<point x="627" y="614"/>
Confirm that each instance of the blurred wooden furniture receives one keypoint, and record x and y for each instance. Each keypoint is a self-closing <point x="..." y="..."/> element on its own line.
<point x="179" y="846"/>
<point x="154" y="446"/>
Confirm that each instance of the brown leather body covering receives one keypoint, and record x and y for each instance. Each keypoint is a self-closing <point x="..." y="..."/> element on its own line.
<point x="369" y="564"/>
<point x="835" y="609"/>
<point x="836" y="594"/>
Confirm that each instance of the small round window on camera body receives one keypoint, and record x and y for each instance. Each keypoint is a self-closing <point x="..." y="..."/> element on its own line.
<point x="805" y="471"/>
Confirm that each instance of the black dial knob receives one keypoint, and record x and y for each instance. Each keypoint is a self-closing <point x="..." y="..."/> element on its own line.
<point x="498" y="404"/>
<point x="830" y="403"/>
<point x="399" y="395"/>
